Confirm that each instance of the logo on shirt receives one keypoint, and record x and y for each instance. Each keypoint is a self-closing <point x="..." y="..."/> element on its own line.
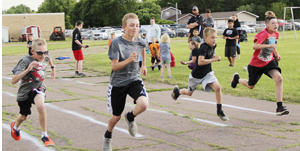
<point x="266" y="53"/>
<point x="229" y="32"/>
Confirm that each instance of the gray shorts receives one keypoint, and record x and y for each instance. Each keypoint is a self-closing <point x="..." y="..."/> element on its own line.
<point x="165" y="62"/>
<point x="230" y="51"/>
<point x="209" y="78"/>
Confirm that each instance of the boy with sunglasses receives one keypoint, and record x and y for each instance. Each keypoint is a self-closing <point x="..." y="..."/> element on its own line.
<point x="31" y="70"/>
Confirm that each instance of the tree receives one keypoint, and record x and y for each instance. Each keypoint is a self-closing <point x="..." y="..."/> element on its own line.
<point x="52" y="6"/>
<point x="147" y="10"/>
<point x="19" y="9"/>
<point x="278" y="9"/>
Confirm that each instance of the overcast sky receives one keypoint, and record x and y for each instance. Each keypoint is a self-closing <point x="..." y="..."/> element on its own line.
<point x="32" y="4"/>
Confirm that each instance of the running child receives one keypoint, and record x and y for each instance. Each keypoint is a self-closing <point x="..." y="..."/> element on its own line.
<point x="194" y="46"/>
<point x="263" y="62"/>
<point x="125" y="78"/>
<point x="165" y="55"/>
<point x="230" y="34"/>
<point x="202" y="73"/>
<point x="154" y="49"/>
<point x="31" y="70"/>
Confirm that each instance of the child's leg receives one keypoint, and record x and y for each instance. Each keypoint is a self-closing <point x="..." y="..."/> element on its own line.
<point x="244" y="82"/>
<point x="185" y="92"/>
<point x="39" y="102"/>
<point x="162" y="70"/>
<point x="80" y="66"/>
<point x="275" y="74"/>
<point x="232" y="60"/>
<point x="76" y="65"/>
<point x="169" y="69"/>
<point x="217" y="87"/>
<point x="141" y="105"/>
<point x="113" y="122"/>
<point x="20" y="119"/>
<point x="229" y="59"/>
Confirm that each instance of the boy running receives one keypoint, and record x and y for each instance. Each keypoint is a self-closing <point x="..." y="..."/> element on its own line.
<point x="31" y="70"/>
<point x="263" y="62"/>
<point x="202" y="73"/>
<point x="125" y="77"/>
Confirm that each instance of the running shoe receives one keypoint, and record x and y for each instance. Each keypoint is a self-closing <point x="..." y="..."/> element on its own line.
<point x="81" y="74"/>
<point x="175" y="93"/>
<point x="282" y="111"/>
<point x="132" y="127"/>
<point x="14" y="133"/>
<point x="222" y="116"/>
<point x="47" y="141"/>
<point x="235" y="80"/>
<point x="76" y="72"/>
<point x="107" y="144"/>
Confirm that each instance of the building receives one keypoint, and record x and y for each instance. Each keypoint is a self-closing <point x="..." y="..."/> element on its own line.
<point x="169" y="13"/>
<point x="221" y="18"/>
<point x="46" y="22"/>
<point x="5" y="36"/>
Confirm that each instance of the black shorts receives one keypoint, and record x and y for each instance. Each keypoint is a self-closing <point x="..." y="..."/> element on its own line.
<point x="155" y="58"/>
<point x="116" y="97"/>
<point x="26" y="105"/>
<point x="256" y="72"/>
<point x="230" y="51"/>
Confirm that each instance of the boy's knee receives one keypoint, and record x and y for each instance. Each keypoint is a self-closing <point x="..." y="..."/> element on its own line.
<point x="143" y="103"/>
<point x="189" y="94"/>
<point x="279" y="79"/>
<point x="40" y="107"/>
<point x="24" y="117"/>
<point x="251" y="87"/>
<point x="218" y="88"/>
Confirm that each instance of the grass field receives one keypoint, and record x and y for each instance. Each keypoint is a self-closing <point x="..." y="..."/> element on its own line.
<point x="289" y="49"/>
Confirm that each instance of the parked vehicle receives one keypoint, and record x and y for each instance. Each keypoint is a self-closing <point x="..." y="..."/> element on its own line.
<point x="281" y="23"/>
<point x="57" y="34"/>
<point x="259" y="27"/>
<point x="168" y="31"/>
<point x="248" y="29"/>
<point x="68" y="32"/>
<point x="297" y="25"/>
<point x="182" y="32"/>
<point x="104" y="34"/>
<point x="108" y="31"/>
<point x="221" y="29"/>
<point x="174" y="26"/>
<point x="249" y="23"/>
<point x="118" y="33"/>
<point x="143" y="31"/>
<point x="95" y="35"/>
<point x="85" y="34"/>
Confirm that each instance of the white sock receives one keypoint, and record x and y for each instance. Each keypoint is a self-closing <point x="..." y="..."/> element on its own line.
<point x="44" y="134"/>
<point x="16" y="128"/>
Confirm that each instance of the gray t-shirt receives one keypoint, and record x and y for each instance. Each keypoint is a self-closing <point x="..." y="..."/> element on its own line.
<point x="165" y="51"/>
<point x="121" y="49"/>
<point x="197" y="39"/>
<point x="33" y="79"/>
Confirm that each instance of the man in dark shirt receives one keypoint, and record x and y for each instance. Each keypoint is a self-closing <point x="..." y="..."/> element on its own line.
<point x="202" y="73"/>
<point x="195" y="22"/>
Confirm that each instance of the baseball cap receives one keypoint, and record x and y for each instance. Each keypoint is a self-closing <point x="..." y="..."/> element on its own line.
<point x="79" y="22"/>
<point x="195" y="8"/>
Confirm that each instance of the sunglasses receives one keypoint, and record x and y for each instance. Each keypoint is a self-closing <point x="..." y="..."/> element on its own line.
<point x="41" y="52"/>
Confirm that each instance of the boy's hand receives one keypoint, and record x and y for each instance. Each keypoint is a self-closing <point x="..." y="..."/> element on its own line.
<point x="217" y="58"/>
<point x="182" y="62"/>
<point x="273" y="46"/>
<point x="32" y="64"/>
<point x="278" y="57"/>
<point x="144" y="70"/>
<point x="133" y="56"/>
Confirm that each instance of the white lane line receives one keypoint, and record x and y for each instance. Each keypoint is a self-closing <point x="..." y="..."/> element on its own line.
<point x="8" y="93"/>
<point x="231" y="106"/>
<point x="78" y="81"/>
<point x="9" y="78"/>
<point x="30" y="138"/>
<point x="87" y="118"/>
<point x="196" y="119"/>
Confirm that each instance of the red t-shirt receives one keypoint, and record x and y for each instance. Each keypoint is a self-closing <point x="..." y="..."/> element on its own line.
<point x="262" y="57"/>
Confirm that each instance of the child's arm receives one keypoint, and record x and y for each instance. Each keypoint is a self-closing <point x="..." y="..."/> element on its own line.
<point x="202" y="61"/>
<point x="53" y="70"/>
<point x="236" y="37"/>
<point x="144" y="67"/>
<point x="16" y="78"/>
<point x="225" y="37"/>
<point x="28" y="45"/>
<point x="258" y="46"/>
<point x="116" y="65"/>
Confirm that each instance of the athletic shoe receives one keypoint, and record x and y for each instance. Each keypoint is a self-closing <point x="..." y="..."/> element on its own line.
<point x="245" y="68"/>
<point x="170" y="77"/>
<point x="222" y="116"/>
<point x="14" y="133"/>
<point x="47" y="141"/>
<point x="81" y="74"/>
<point x="235" y="80"/>
<point x="161" y="77"/>
<point x="175" y="93"/>
<point x="132" y="127"/>
<point x="107" y="144"/>
<point x="230" y="65"/>
<point x="282" y="111"/>
<point x="76" y="72"/>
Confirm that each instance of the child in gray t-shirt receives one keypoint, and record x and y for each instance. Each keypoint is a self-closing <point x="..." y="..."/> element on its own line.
<point x="165" y="55"/>
<point x="196" y="37"/>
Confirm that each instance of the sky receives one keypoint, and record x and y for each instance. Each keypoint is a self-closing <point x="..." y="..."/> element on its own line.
<point x="32" y="4"/>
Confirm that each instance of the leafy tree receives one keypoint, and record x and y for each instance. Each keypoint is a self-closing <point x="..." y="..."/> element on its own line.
<point x="163" y="21"/>
<point x="147" y="10"/>
<point x="19" y="9"/>
<point x="52" y="6"/>
<point x="278" y="9"/>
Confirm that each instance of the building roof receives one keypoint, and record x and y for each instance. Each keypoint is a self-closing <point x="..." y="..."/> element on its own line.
<point x="167" y="8"/>
<point x="227" y="15"/>
<point x="180" y="16"/>
<point x="32" y="14"/>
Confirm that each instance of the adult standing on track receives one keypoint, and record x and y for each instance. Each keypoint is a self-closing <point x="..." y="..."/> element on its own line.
<point x="76" y="47"/>
<point x="195" y="22"/>
<point x="153" y="31"/>
<point x="237" y="25"/>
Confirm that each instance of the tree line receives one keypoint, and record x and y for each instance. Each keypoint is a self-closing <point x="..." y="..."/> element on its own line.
<point x="100" y="13"/>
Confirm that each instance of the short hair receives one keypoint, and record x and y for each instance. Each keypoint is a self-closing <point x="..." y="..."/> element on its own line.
<point x="129" y="16"/>
<point x="38" y="42"/>
<point x="270" y="14"/>
<point x="269" y="18"/>
<point x="208" y="30"/>
<point x="30" y="34"/>
<point x="230" y="20"/>
<point x="235" y="15"/>
<point x="112" y="34"/>
<point x="195" y="30"/>
<point x="165" y="38"/>
<point x="152" y="18"/>
<point x="208" y="11"/>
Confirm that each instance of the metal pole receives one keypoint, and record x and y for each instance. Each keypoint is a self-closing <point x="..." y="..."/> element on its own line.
<point x="294" y="23"/>
<point x="176" y="20"/>
<point x="24" y="8"/>
<point x="283" y="23"/>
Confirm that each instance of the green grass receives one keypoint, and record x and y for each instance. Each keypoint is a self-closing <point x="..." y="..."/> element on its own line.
<point x="19" y="48"/>
<point x="265" y="88"/>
